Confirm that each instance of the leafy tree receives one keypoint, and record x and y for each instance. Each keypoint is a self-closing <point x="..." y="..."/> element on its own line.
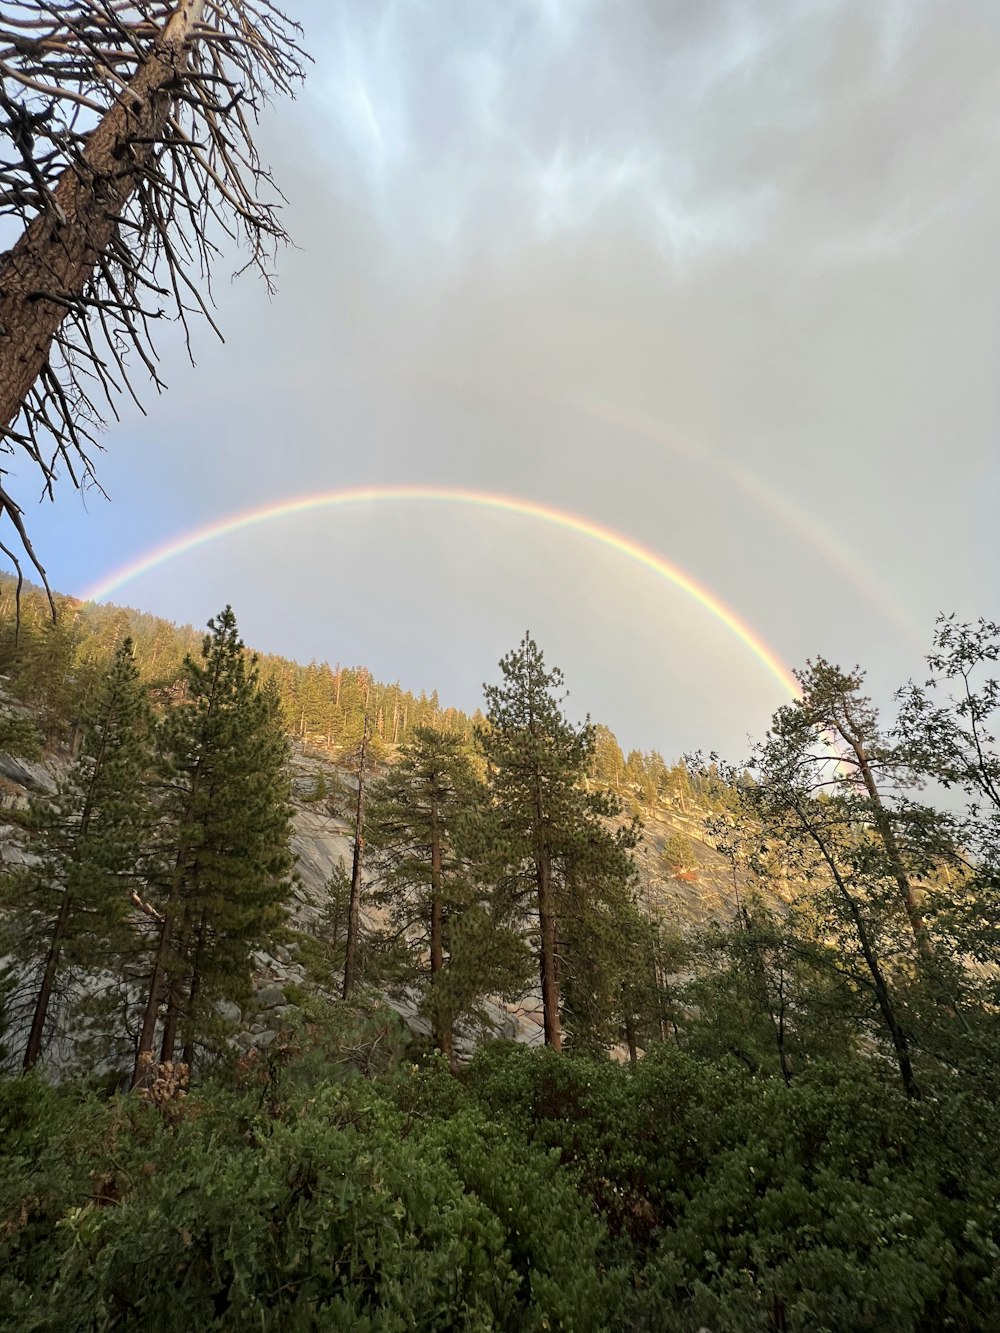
<point x="555" y="858"/>
<point x="65" y="911"/>
<point x="222" y="862"/>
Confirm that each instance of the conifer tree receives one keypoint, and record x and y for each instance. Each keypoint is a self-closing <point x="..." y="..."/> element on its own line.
<point x="67" y="909"/>
<point x="834" y="730"/>
<point x="419" y="820"/>
<point x="831" y="851"/>
<point x="551" y="844"/>
<point x="600" y="933"/>
<point x="362" y="764"/>
<point x="223" y="859"/>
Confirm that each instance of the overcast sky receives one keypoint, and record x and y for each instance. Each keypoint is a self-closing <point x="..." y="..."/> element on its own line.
<point x="720" y="277"/>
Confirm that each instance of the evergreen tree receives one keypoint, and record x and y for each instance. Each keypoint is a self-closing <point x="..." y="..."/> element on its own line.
<point x="362" y="768"/>
<point x="418" y="823"/>
<point x="66" y="909"/>
<point x="555" y="858"/>
<point x="223" y="858"/>
<point x="835" y="731"/>
<point x="19" y="736"/>
<point x="831" y="852"/>
<point x="600" y="933"/>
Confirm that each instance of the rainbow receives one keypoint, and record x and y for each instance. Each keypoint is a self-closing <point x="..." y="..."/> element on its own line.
<point x="806" y="528"/>
<point x="560" y="519"/>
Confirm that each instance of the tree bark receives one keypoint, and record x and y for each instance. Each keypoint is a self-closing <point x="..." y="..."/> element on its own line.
<point x="547" y="965"/>
<point x="882" y="996"/>
<point x="153" y="1000"/>
<point x="888" y="837"/>
<point x="46" y="273"/>
<point x="196" y="977"/>
<point x="945" y="997"/>
<point x="444" y="1038"/>
<point x="34" y="1047"/>
<point x="633" y="1049"/>
<point x="173" y="983"/>
<point x="354" y="904"/>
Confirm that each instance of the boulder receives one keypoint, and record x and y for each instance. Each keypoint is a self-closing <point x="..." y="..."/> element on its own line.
<point x="269" y="996"/>
<point x="228" y="1012"/>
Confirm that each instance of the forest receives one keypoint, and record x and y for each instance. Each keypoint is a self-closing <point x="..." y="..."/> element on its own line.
<point x="772" y="1106"/>
<point x="777" y="1118"/>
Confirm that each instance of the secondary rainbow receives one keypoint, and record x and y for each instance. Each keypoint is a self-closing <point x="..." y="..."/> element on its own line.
<point x="505" y="504"/>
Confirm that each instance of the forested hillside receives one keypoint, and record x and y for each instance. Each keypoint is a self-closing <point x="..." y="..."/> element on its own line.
<point x="55" y="666"/>
<point x="263" y="1078"/>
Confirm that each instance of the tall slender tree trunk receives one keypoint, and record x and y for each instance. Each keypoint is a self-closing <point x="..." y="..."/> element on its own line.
<point x="153" y="1000"/>
<point x="887" y="835"/>
<point x="354" y="903"/>
<point x="444" y="1037"/>
<point x="945" y="994"/>
<point x="34" y="1047"/>
<point x="197" y="972"/>
<point x="42" y="1001"/>
<point x="47" y="271"/>
<point x="633" y="1049"/>
<point x="883" y="997"/>
<point x="173" y="987"/>
<point x="547" y="936"/>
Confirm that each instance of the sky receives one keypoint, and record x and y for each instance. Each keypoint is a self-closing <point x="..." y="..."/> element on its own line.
<point x="713" y="281"/>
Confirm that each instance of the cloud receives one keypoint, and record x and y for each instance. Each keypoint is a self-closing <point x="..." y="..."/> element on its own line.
<point x="722" y="277"/>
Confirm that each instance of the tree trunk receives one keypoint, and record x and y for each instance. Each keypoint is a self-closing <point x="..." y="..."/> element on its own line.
<point x="633" y="1050"/>
<point x="547" y="964"/>
<point x="34" y="1048"/>
<point x="882" y="996"/>
<point x="196" y="978"/>
<point x="444" y="1038"/>
<point x="169" y="1039"/>
<point x="173" y="985"/>
<point x="354" y="904"/>
<point x="945" y="996"/>
<point x="888" y="837"/>
<point x="153" y="1000"/>
<point x="46" y="273"/>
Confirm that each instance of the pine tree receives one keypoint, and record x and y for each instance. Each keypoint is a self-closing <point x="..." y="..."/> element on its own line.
<point x="223" y="859"/>
<point x="555" y="857"/>
<point x="362" y="766"/>
<point x="827" y="847"/>
<point x="600" y="931"/>
<point x="68" y="907"/>
<point x="418" y="829"/>
<point x="834" y="730"/>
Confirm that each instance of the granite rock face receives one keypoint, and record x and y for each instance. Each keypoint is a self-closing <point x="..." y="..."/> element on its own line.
<point x="322" y="841"/>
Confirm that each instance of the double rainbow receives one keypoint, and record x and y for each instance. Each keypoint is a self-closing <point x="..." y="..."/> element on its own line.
<point x="560" y="519"/>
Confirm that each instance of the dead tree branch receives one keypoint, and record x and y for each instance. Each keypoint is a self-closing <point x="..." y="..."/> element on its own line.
<point x="126" y="154"/>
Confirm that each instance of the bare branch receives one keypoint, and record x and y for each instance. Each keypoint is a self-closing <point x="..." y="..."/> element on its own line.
<point x="126" y="136"/>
